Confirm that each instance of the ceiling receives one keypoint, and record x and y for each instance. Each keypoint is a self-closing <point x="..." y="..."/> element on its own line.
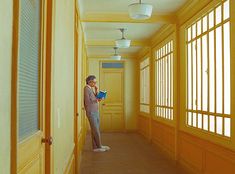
<point x="101" y="20"/>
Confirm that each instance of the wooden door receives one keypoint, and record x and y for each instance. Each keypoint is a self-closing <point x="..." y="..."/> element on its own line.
<point x="112" y="108"/>
<point x="29" y="88"/>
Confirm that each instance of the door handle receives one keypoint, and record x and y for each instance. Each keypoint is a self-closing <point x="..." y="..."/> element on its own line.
<point x="49" y="140"/>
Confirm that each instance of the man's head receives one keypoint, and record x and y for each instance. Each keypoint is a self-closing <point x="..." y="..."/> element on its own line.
<point x="91" y="80"/>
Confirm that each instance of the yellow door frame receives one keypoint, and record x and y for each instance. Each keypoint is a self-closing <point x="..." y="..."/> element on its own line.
<point x="45" y="82"/>
<point x="100" y="71"/>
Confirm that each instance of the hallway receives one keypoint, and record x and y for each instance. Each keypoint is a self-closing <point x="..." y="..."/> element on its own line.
<point x="130" y="153"/>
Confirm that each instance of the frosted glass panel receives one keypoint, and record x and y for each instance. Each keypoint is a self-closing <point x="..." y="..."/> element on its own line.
<point x="205" y="72"/>
<point x="212" y="71"/>
<point x="189" y="118"/>
<point x="112" y="65"/>
<point x="28" y="68"/>
<point x="211" y="19"/>
<point x="226" y="10"/>
<point x="219" y="123"/>
<point x="227" y="86"/>
<point x="205" y="122"/>
<point x="227" y="127"/>
<point x="218" y="15"/>
<point x="212" y="123"/>
<point x="219" y="70"/>
<point x="189" y="77"/>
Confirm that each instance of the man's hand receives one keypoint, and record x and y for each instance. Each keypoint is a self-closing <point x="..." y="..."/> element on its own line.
<point x="96" y="89"/>
<point x="98" y="99"/>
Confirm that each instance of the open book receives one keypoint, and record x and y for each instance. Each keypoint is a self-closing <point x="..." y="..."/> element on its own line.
<point x="101" y="95"/>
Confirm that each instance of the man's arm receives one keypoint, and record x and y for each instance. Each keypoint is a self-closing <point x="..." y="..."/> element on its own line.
<point x="89" y="96"/>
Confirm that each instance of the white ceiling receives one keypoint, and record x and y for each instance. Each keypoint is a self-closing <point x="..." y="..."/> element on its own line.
<point x="121" y="6"/>
<point x="108" y="50"/>
<point x="108" y="31"/>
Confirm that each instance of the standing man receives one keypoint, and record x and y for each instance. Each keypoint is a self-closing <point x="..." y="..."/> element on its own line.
<point x="92" y="112"/>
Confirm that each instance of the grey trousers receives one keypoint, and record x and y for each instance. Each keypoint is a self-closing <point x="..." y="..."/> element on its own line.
<point x="94" y="121"/>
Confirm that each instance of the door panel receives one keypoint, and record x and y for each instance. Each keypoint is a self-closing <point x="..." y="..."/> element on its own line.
<point x="112" y="108"/>
<point x="30" y="90"/>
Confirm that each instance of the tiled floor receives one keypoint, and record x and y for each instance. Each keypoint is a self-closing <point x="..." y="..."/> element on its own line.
<point x="130" y="154"/>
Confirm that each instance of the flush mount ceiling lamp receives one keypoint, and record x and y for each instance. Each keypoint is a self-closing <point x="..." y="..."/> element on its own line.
<point x="140" y="10"/>
<point x="116" y="56"/>
<point x="123" y="42"/>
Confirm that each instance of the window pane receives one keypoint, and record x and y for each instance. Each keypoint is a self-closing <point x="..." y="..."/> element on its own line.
<point x="194" y="31"/>
<point x="212" y="71"/>
<point x="189" y="77"/>
<point x="172" y="82"/>
<point x="227" y="127"/>
<point x="226" y="10"/>
<point x="212" y="123"/>
<point x="199" y="27"/>
<point x="112" y="65"/>
<point x="147" y="89"/>
<point x="163" y="68"/>
<point x="219" y="123"/>
<point x="204" y="24"/>
<point x="211" y="19"/>
<point x="189" y="33"/>
<point x="144" y="108"/>
<point x="189" y="118"/>
<point x="199" y="77"/>
<point x="219" y="70"/>
<point x="194" y="119"/>
<point x="227" y="85"/>
<point x="28" y="69"/>
<point x="205" y="122"/>
<point x="218" y="15"/>
<point x="205" y="72"/>
<point x="200" y="121"/>
<point x="194" y="75"/>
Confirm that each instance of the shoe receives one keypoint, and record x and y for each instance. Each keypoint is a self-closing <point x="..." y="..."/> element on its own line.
<point x="106" y="147"/>
<point x="99" y="150"/>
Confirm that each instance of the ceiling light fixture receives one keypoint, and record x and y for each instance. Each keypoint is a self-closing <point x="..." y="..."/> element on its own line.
<point x="116" y="56"/>
<point x="140" y="10"/>
<point x="123" y="42"/>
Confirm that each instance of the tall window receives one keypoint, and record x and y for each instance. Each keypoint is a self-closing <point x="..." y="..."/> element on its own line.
<point x="164" y="81"/>
<point x="144" y="86"/>
<point x="208" y="72"/>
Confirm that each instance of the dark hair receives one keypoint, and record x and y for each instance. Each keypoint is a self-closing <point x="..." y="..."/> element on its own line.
<point x="89" y="78"/>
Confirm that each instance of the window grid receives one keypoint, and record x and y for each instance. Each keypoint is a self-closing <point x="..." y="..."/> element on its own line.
<point x="164" y="81"/>
<point x="144" y="85"/>
<point x="208" y="72"/>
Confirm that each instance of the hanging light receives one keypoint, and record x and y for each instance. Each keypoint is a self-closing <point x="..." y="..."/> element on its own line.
<point x="140" y="10"/>
<point x="123" y="42"/>
<point x="116" y="56"/>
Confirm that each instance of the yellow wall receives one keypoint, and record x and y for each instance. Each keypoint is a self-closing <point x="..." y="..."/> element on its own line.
<point x="130" y="91"/>
<point x="63" y="84"/>
<point x="6" y="12"/>
<point x="80" y="85"/>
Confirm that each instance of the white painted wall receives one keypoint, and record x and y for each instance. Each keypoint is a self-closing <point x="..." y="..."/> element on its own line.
<point x="6" y="16"/>
<point x="63" y="84"/>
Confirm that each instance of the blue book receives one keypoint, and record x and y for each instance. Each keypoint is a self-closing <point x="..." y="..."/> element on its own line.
<point x="101" y="95"/>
